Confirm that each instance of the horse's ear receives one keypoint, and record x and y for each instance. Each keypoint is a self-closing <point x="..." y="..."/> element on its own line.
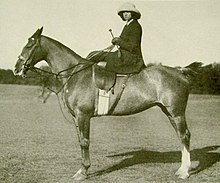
<point x="41" y="30"/>
<point x="37" y="33"/>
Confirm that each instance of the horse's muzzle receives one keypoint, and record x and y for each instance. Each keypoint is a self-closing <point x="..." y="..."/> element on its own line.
<point x="19" y="69"/>
<point x="17" y="72"/>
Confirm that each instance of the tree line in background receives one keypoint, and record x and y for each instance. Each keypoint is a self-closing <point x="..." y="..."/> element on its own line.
<point x="207" y="81"/>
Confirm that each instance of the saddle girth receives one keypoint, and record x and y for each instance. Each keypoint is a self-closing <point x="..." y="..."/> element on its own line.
<point x="112" y="108"/>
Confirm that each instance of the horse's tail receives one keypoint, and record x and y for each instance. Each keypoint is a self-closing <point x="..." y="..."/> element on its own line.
<point x="192" y="69"/>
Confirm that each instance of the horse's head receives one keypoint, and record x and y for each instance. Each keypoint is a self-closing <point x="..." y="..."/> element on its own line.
<point x="30" y="54"/>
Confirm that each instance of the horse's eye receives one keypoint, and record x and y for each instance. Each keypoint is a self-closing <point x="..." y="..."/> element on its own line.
<point x="30" y="44"/>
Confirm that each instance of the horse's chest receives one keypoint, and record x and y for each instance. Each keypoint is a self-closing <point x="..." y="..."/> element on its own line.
<point x="69" y="96"/>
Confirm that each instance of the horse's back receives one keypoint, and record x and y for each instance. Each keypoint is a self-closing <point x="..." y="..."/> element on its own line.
<point x="172" y="86"/>
<point x="157" y="81"/>
<point x="163" y="74"/>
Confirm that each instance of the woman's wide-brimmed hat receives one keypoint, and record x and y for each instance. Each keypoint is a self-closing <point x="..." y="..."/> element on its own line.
<point x="129" y="7"/>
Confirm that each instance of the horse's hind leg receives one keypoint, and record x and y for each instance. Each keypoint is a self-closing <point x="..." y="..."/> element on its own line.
<point x="179" y="123"/>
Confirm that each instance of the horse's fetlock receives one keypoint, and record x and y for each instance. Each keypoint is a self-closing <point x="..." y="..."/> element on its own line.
<point x="86" y="165"/>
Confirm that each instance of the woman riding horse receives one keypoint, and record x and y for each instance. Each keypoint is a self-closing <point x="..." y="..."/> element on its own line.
<point x="128" y="58"/>
<point x="162" y="86"/>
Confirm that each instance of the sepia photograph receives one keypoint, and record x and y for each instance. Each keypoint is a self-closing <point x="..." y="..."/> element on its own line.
<point x="110" y="91"/>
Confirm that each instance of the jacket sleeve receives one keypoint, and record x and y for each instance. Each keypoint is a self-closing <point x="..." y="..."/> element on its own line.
<point x="134" y="39"/>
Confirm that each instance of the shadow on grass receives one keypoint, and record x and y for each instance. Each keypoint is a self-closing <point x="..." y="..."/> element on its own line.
<point x="204" y="156"/>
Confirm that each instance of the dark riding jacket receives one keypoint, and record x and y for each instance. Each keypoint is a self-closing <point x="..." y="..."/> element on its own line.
<point x="131" y="59"/>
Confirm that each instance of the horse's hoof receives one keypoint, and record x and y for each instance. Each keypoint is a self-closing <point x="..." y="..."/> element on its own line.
<point x="79" y="176"/>
<point x="182" y="174"/>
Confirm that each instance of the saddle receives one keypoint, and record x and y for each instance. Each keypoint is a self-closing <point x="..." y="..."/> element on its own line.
<point x="104" y="80"/>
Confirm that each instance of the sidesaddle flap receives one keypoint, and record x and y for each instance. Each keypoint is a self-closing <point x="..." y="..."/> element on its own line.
<point x="103" y="79"/>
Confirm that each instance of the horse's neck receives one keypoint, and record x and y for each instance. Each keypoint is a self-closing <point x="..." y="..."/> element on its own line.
<point x="58" y="56"/>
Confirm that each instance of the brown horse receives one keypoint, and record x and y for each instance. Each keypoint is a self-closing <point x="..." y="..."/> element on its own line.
<point x="161" y="86"/>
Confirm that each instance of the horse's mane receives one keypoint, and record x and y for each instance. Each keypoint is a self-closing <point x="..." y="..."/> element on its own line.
<point x="63" y="47"/>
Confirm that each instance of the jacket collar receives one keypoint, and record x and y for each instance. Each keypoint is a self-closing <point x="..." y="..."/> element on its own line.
<point x="127" y="23"/>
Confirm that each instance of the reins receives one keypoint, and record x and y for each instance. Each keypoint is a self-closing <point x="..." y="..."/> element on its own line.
<point x="60" y="76"/>
<point x="101" y="52"/>
<point x="57" y="75"/>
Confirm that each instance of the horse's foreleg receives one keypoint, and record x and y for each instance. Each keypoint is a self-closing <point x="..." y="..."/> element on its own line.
<point x="83" y="122"/>
<point x="182" y="130"/>
<point x="41" y="93"/>
<point x="47" y="96"/>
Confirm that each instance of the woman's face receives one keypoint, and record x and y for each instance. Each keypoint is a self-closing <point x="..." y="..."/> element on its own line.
<point x="127" y="15"/>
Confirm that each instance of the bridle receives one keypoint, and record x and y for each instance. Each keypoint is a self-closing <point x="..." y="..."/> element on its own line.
<point x="58" y="75"/>
<point x="25" y="64"/>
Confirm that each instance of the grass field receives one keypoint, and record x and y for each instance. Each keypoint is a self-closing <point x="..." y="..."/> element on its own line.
<point x="37" y="145"/>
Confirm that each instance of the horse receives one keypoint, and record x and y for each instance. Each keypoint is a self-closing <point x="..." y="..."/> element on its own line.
<point x="156" y="85"/>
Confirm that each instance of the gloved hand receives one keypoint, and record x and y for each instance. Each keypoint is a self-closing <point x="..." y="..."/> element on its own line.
<point x="116" y="41"/>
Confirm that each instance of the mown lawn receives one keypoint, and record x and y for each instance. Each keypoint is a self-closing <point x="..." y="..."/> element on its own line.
<point x="37" y="145"/>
